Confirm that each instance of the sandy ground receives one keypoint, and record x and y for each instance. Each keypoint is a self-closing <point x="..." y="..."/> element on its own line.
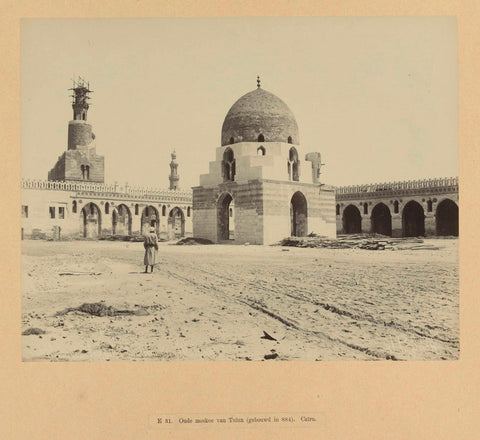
<point x="215" y="302"/>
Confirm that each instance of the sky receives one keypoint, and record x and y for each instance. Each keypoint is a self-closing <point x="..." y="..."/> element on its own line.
<point x="376" y="96"/>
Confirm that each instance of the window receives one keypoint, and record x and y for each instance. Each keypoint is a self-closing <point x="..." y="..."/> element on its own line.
<point x="164" y="210"/>
<point x="52" y="211"/>
<point x="293" y="172"/>
<point x="136" y="209"/>
<point x="365" y="208"/>
<point x="232" y="140"/>
<point x="188" y="211"/>
<point x="24" y="211"/>
<point x="289" y="140"/>
<point x="261" y="138"/>
<point x="395" y="206"/>
<point x="228" y="165"/>
<point x="338" y="209"/>
<point x="74" y="206"/>
<point x="429" y="206"/>
<point x="61" y="212"/>
<point x="82" y="168"/>
<point x="107" y="208"/>
<point x="260" y="151"/>
<point x="87" y="170"/>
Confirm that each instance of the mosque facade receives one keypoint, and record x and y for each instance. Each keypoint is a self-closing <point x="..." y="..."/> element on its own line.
<point x="262" y="186"/>
<point x="75" y="201"/>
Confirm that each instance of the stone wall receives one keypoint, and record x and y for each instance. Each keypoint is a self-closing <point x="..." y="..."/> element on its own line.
<point x="262" y="210"/>
<point x="428" y="193"/>
<point x="41" y="196"/>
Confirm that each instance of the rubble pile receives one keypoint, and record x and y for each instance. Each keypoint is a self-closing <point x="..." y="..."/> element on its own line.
<point x="373" y="242"/>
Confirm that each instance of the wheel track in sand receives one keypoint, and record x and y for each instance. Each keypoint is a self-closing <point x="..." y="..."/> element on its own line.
<point x="261" y="307"/>
<point x="303" y="295"/>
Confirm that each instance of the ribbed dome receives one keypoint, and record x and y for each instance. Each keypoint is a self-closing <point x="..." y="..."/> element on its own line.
<point x="259" y="113"/>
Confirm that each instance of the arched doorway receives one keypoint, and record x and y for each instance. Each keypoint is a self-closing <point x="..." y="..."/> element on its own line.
<point x="298" y="215"/>
<point x="447" y="218"/>
<point x="176" y="223"/>
<point x="122" y="221"/>
<point x="352" y="220"/>
<point x="224" y="225"/>
<point x="413" y="220"/>
<point x="381" y="220"/>
<point x="92" y="221"/>
<point x="150" y="218"/>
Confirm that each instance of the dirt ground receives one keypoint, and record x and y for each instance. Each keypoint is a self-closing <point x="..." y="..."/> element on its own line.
<point x="214" y="302"/>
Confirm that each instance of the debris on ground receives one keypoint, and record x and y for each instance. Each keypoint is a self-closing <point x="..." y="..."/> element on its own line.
<point x="267" y="336"/>
<point x="33" y="331"/>
<point x="79" y="273"/>
<point x="372" y="242"/>
<point x="193" y="241"/>
<point x="99" y="309"/>
<point x="271" y="356"/>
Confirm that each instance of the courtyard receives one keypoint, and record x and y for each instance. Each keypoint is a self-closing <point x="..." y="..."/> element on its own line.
<point x="245" y="303"/>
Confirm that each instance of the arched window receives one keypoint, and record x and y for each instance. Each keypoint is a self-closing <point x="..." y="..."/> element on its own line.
<point x="164" y="210"/>
<point x="395" y="207"/>
<point x="74" y="206"/>
<point x="338" y="209"/>
<point x="232" y="140"/>
<point x="82" y="168"/>
<point x="188" y="211"/>
<point x="260" y="151"/>
<point x="228" y="165"/>
<point x="87" y="170"/>
<point x="289" y="140"/>
<point x="365" y="208"/>
<point x="293" y="172"/>
<point x="261" y="138"/>
<point x="107" y="208"/>
<point x="136" y="209"/>
<point x="429" y="206"/>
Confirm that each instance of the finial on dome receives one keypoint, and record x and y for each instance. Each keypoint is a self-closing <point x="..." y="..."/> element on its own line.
<point x="258" y="82"/>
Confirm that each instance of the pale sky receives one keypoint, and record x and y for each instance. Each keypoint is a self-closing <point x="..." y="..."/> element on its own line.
<point x="377" y="97"/>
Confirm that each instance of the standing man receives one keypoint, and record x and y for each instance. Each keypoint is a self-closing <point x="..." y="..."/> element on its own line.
<point x="151" y="247"/>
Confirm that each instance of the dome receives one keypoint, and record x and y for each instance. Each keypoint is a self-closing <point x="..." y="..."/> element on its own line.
<point x="259" y="113"/>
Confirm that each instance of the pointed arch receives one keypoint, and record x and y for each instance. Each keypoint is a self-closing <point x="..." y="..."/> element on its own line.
<point x="381" y="219"/>
<point x="298" y="215"/>
<point x="352" y="220"/>
<point x="447" y="218"/>
<point x="150" y="217"/>
<point x="225" y="223"/>
<point x="413" y="220"/>
<point x="92" y="221"/>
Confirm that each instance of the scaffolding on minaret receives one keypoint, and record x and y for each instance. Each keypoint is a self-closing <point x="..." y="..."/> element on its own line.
<point x="80" y="105"/>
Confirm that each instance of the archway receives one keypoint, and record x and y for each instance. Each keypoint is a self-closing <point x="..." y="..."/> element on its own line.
<point x="447" y="218"/>
<point x="150" y="218"/>
<point x="224" y="225"/>
<point x="381" y="220"/>
<point x="92" y="221"/>
<point x="413" y="220"/>
<point x="352" y="220"/>
<point x="298" y="215"/>
<point x="122" y="221"/>
<point x="176" y="223"/>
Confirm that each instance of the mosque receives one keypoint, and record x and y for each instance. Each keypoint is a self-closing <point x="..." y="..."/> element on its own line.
<point x="262" y="186"/>
<point x="75" y="201"/>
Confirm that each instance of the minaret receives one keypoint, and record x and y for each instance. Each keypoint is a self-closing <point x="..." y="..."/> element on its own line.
<point x="80" y="162"/>
<point x="79" y="132"/>
<point x="174" y="177"/>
